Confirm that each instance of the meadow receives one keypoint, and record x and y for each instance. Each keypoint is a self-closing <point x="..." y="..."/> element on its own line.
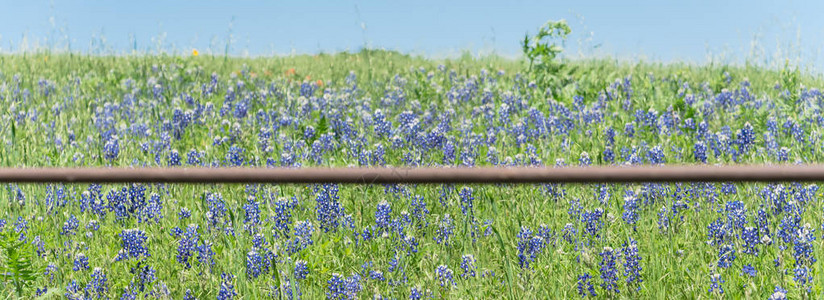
<point x="381" y="108"/>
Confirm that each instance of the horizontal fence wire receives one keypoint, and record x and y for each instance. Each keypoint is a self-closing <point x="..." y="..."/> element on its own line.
<point x="391" y="175"/>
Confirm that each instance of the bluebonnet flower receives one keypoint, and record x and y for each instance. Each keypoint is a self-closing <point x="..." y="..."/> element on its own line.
<point x="205" y="254"/>
<point x="444" y="231"/>
<point x="227" y="287"/>
<point x="419" y="211"/>
<point x="736" y="214"/>
<point x="383" y="215"/>
<point x="779" y="293"/>
<point x="746" y="138"/>
<point x="235" y="156"/>
<point x="73" y="291"/>
<point x="609" y="271"/>
<point x="629" y="130"/>
<point x="376" y="275"/>
<point x="717" y="233"/>
<point x="39" y="246"/>
<point x="217" y="211"/>
<point x="309" y="132"/>
<point x="340" y="288"/>
<point x="329" y="210"/>
<point x="153" y="210"/>
<point x="783" y="154"/>
<point x="70" y="225"/>
<point x="303" y="236"/>
<point x="111" y="149"/>
<point x="21" y="226"/>
<point x="41" y="291"/>
<point x="700" y="151"/>
<point x="188" y="295"/>
<point x="98" y="287"/>
<point x="803" y="255"/>
<point x="656" y="156"/>
<point x="193" y="157"/>
<point x="468" y="266"/>
<point x="256" y="264"/>
<point x="184" y="213"/>
<point x="410" y="244"/>
<point x="174" y="158"/>
<point x="187" y="245"/>
<point x="750" y="237"/>
<point x="415" y="293"/>
<point x="630" y="214"/>
<point x="749" y="270"/>
<point x="336" y="288"/>
<point x="585" y="286"/>
<point x="529" y="247"/>
<point x="584" y="160"/>
<point x="301" y="269"/>
<point x="132" y="242"/>
<point x="282" y="218"/>
<point x="252" y="216"/>
<point x="609" y="155"/>
<point x="258" y="241"/>
<point x="445" y="276"/>
<point x="715" y="284"/>
<point x="726" y="255"/>
<point x="632" y="263"/>
<point x="81" y="262"/>
<point x="381" y="125"/>
<point x="50" y="271"/>
<point x="467" y="200"/>
<point x="592" y="221"/>
<point x="569" y="232"/>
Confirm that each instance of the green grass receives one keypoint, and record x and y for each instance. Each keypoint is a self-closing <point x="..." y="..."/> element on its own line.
<point x="677" y="262"/>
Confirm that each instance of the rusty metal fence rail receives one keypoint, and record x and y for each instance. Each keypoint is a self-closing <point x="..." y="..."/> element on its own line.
<point x="482" y="175"/>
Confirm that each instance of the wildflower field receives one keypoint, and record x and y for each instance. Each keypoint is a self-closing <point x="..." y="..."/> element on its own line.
<point x="378" y="108"/>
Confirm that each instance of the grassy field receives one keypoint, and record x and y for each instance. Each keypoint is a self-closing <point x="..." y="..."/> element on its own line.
<point x="377" y="108"/>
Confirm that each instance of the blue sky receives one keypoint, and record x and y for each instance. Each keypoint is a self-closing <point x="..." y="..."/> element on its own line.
<point x="655" y="30"/>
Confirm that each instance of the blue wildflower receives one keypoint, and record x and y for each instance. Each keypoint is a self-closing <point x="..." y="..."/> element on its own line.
<point x="585" y="286"/>
<point x="444" y="231"/>
<point x="70" y="226"/>
<point x="235" y="157"/>
<point x="382" y="215"/>
<point x="329" y="210"/>
<point x="81" y="262"/>
<point x="227" y="287"/>
<point x="174" y="158"/>
<point x="632" y="263"/>
<point x="445" y="276"/>
<point x="301" y="269"/>
<point x="98" y="287"/>
<point x="749" y="270"/>
<point x="779" y="293"/>
<point x="726" y="255"/>
<point x="630" y="214"/>
<point x="187" y="245"/>
<point x="133" y="244"/>
<point x="468" y="266"/>
<point x="111" y="149"/>
<point x="609" y="271"/>
<point x="715" y="284"/>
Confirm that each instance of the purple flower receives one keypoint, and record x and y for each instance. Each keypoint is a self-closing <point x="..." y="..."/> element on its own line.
<point x="609" y="271"/>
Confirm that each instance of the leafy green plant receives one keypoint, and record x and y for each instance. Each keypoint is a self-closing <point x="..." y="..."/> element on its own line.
<point x="791" y="80"/>
<point x="542" y="49"/>
<point x="16" y="262"/>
